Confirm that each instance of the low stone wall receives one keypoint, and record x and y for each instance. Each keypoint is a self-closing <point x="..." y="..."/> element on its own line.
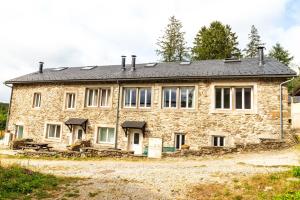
<point x="75" y="154"/>
<point x="264" y="145"/>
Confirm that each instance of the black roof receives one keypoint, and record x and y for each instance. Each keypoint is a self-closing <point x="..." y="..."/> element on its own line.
<point x="247" y="67"/>
<point x="133" y="124"/>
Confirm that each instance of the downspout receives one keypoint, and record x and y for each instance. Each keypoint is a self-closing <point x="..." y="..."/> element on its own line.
<point x="117" y="120"/>
<point x="281" y="107"/>
<point x="9" y="107"/>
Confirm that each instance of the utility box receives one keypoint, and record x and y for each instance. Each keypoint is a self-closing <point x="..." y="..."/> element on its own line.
<point x="155" y="148"/>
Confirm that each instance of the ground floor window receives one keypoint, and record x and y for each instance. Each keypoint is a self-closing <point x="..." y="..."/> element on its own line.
<point x="179" y="140"/>
<point x="218" y="141"/>
<point x="105" y="135"/>
<point x="19" y="131"/>
<point x="53" y="131"/>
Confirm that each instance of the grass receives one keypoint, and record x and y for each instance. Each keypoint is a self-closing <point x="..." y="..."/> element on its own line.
<point x="21" y="183"/>
<point x="275" y="186"/>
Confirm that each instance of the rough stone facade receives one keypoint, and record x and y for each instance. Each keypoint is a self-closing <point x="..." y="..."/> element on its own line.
<point x="198" y="124"/>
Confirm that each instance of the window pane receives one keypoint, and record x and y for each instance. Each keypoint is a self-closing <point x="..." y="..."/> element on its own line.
<point x="108" y="97"/>
<point x="177" y="140"/>
<point x="103" y="97"/>
<point x="247" y="98"/>
<point x="218" y="98"/>
<point x="142" y="97"/>
<point x="183" y="92"/>
<point x="182" y="139"/>
<point x="57" y="131"/>
<point x="51" y="130"/>
<point x="166" y="97"/>
<point x="226" y="97"/>
<point x="136" y="138"/>
<point x="238" y="98"/>
<point x="127" y="96"/>
<point x="133" y="97"/>
<point x="191" y="98"/>
<point x="215" y="141"/>
<point x="95" y="100"/>
<point x="221" y="141"/>
<point x="111" y="135"/>
<point x="103" y="134"/>
<point x="148" y="98"/>
<point x="173" y="97"/>
<point x="90" y="97"/>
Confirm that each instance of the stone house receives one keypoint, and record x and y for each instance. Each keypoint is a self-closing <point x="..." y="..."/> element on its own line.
<point x="199" y="103"/>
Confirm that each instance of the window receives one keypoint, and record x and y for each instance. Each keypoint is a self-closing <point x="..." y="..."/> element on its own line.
<point x="37" y="100"/>
<point x="169" y="97"/>
<point x="53" y="131"/>
<point x="145" y="98"/>
<point x="98" y="97"/>
<point x="243" y="98"/>
<point x="105" y="98"/>
<point x="130" y="97"/>
<point x="222" y="98"/>
<point x="106" y="135"/>
<point x="187" y="97"/>
<point x="70" y="101"/>
<point x="218" y="141"/>
<point x="179" y="140"/>
<point x="19" y="131"/>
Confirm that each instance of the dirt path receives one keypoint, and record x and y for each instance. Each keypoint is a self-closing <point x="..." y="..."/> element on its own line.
<point x="160" y="179"/>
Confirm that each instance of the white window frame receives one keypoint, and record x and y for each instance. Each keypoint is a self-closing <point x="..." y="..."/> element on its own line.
<point x="107" y="97"/>
<point x="180" y="139"/>
<point x="243" y="98"/>
<point x="218" y="140"/>
<point x="95" y="99"/>
<point x="222" y="98"/>
<point x="37" y="99"/>
<point x="71" y="95"/>
<point x="146" y="89"/>
<point x="187" y="97"/>
<point x="170" y="98"/>
<point x="17" y="131"/>
<point x="98" y="132"/>
<point x="47" y="131"/>
<point x="126" y="89"/>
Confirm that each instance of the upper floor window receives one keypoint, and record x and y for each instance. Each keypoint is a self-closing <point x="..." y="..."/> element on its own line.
<point x="37" y="100"/>
<point x="186" y="97"/>
<point x="98" y="97"/>
<point x="53" y="131"/>
<point x="243" y="98"/>
<point x="145" y="98"/>
<point x="130" y="97"/>
<point x="222" y="98"/>
<point x="137" y="97"/>
<point x="70" y="100"/>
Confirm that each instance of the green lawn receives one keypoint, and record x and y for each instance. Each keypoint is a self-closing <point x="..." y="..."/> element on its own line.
<point x="20" y="183"/>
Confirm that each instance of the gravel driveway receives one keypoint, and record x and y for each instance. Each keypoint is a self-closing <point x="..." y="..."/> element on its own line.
<point x="160" y="179"/>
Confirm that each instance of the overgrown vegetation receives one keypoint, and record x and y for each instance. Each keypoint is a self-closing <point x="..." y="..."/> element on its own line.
<point x="276" y="186"/>
<point x="3" y="115"/>
<point x="20" y="183"/>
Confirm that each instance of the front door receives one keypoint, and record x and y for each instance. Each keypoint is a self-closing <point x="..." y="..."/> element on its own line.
<point x="136" y="142"/>
<point x="78" y="134"/>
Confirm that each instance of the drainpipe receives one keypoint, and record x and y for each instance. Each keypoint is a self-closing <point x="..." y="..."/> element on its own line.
<point x="117" y="120"/>
<point x="281" y="106"/>
<point x="9" y="107"/>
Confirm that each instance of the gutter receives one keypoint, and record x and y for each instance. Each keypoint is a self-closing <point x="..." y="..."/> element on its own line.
<point x="117" y="116"/>
<point x="9" y="107"/>
<point x="281" y="107"/>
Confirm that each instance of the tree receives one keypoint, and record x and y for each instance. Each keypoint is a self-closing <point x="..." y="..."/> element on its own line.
<point x="282" y="55"/>
<point x="251" y="49"/>
<point x="215" y="42"/>
<point x="172" y="46"/>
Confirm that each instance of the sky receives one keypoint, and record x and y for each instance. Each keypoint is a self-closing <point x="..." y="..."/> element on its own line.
<point x="97" y="32"/>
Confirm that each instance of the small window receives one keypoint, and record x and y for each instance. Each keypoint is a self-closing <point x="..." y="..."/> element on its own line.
<point x="105" y="98"/>
<point x="169" y="97"/>
<point x="19" y="131"/>
<point x="187" y="97"/>
<point x="88" y="67"/>
<point x="222" y="98"/>
<point x="145" y="98"/>
<point x="37" y="100"/>
<point x="106" y="135"/>
<point x="70" y="100"/>
<point x="60" y="68"/>
<point x="130" y="97"/>
<point x="218" y="141"/>
<point x="53" y="131"/>
<point x="179" y="140"/>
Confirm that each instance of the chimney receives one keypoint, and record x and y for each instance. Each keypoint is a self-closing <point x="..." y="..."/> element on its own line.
<point x="41" y="67"/>
<point x="123" y="63"/>
<point x="133" y="62"/>
<point x="261" y="55"/>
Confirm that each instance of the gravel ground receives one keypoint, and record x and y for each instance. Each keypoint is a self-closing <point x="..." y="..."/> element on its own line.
<point x="159" y="179"/>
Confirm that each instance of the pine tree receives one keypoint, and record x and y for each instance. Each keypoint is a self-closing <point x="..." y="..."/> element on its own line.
<point x="254" y="42"/>
<point x="282" y="55"/>
<point x="215" y="42"/>
<point x="172" y="46"/>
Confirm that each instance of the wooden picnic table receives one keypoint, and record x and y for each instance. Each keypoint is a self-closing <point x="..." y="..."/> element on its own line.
<point x="36" y="146"/>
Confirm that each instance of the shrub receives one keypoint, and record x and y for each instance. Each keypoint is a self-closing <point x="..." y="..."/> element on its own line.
<point x="296" y="172"/>
<point x="288" y="196"/>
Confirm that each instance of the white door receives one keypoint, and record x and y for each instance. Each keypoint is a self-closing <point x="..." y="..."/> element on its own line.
<point x="136" y="143"/>
<point x="78" y="134"/>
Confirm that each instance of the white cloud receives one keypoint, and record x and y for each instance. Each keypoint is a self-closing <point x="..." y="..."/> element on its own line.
<point x="73" y="32"/>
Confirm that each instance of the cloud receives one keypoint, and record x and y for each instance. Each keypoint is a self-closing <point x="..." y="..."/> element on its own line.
<point x="74" y="32"/>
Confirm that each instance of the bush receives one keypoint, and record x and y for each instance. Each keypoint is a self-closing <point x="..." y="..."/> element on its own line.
<point x="289" y="196"/>
<point x="296" y="172"/>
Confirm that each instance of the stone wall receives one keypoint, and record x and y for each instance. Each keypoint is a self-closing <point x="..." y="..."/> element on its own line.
<point x="199" y="124"/>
